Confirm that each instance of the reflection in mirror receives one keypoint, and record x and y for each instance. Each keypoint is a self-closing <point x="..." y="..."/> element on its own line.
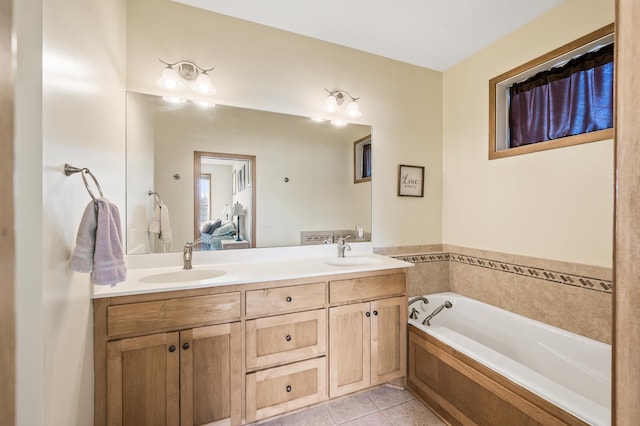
<point x="302" y="177"/>
<point x="223" y="187"/>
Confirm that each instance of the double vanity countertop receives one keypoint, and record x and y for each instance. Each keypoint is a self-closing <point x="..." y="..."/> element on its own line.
<point x="212" y="269"/>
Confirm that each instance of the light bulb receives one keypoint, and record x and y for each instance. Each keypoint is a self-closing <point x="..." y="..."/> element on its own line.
<point x="331" y="103"/>
<point x="203" y="85"/>
<point x="339" y="123"/>
<point x="169" y="79"/>
<point x="353" y="110"/>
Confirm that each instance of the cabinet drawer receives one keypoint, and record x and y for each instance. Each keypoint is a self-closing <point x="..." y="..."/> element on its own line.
<point x="367" y="288"/>
<point x="285" y="299"/>
<point x="185" y="312"/>
<point x="281" y="389"/>
<point x="285" y="338"/>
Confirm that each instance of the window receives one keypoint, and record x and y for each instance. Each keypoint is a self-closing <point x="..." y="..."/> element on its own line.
<point x="362" y="160"/>
<point x="562" y="98"/>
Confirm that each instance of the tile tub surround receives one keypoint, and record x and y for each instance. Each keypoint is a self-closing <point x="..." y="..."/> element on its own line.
<point x="384" y="405"/>
<point x="568" y="295"/>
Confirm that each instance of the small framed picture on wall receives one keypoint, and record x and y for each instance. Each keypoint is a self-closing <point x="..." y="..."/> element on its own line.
<point x="410" y="181"/>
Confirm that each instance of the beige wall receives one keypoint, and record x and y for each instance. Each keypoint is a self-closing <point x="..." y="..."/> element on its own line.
<point x="263" y="68"/>
<point x="554" y="204"/>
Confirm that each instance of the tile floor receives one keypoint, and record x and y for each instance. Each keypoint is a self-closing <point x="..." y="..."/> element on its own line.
<point x="384" y="405"/>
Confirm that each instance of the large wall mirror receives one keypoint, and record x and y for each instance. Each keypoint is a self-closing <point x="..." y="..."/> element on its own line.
<point x="238" y="178"/>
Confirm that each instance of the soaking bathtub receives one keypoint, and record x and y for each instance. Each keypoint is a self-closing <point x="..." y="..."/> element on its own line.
<point x="542" y="364"/>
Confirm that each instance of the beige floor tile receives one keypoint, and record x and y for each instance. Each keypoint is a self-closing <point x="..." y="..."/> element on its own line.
<point x="375" y="419"/>
<point x="412" y="413"/>
<point x="386" y="396"/>
<point x="351" y="407"/>
<point x="315" y="416"/>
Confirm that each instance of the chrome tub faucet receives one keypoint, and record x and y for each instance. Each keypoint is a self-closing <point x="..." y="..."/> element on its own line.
<point x="414" y="311"/>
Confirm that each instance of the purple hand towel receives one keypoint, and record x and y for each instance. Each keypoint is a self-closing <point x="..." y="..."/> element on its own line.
<point x="99" y="244"/>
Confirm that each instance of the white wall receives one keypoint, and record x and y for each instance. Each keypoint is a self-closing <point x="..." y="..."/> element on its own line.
<point x="268" y="69"/>
<point x="83" y="104"/>
<point x="554" y="204"/>
<point x="28" y="215"/>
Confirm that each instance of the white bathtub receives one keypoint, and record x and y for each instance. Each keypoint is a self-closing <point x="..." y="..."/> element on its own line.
<point x="568" y="370"/>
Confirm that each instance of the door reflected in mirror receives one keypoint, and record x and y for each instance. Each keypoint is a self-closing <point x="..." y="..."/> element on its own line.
<point x="299" y="188"/>
<point x="222" y="182"/>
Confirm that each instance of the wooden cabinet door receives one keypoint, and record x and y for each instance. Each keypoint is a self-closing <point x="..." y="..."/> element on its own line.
<point x="210" y="375"/>
<point x="349" y="349"/>
<point x="388" y="339"/>
<point x="143" y="381"/>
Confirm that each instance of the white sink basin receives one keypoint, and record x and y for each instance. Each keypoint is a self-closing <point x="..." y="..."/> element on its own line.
<point x="182" y="276"/>
<point x="352" y="261"/>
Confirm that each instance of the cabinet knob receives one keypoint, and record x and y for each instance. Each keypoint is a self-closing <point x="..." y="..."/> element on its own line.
<point x="288" y="388"/>
<point x="288" y="338"/>
<point x="288" y="299"/>
<point x="172" y="348"/>
<point x="375" y="312"/>
<point x="185" y="346"/>
<point x="368" y="314"/>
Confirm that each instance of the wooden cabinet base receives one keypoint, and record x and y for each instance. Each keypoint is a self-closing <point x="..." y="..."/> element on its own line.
<point x="463" y="391"/>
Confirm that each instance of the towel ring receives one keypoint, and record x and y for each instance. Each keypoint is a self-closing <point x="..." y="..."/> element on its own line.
<point x="69" y="170"/>
<point x="157" y="197"/>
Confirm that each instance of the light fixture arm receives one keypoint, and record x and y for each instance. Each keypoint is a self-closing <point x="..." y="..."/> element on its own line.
<point x="340" y="95"/>
<point x="186" y="69"/>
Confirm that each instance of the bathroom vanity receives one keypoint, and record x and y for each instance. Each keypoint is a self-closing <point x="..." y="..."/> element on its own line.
<point x="259" y="340"/>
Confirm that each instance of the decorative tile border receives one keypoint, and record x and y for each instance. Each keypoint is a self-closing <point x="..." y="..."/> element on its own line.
<point x="425" y="258"/>
<point x="589" y="283"/>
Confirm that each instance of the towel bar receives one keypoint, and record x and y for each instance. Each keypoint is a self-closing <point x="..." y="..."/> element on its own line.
<point x="69" y="170"/>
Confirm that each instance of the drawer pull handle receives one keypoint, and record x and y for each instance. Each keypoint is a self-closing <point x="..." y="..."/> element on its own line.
<point x="368" y="314"/>
<point x="288" y="338"/>
<point x="172" y="348"/>
<point x="185" y="346"/>
<point x="288" y="388"/>
<point x="375" y="312"/>
<point x="288" y="299"/>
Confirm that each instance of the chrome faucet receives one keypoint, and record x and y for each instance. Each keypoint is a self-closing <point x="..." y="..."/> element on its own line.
<point x="187" y="253"/>
<point x="446" y="304"/>
<point x="342" y="246"/>
<point x="414" y="311"/>
<point x="415" y="299"/>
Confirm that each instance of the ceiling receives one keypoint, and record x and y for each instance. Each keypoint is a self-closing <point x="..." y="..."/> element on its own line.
<point x="434" y="34"/>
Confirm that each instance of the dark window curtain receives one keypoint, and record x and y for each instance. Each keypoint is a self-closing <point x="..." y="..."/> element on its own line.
<point x="569" y="100"/>
<point x="366" y="160"/>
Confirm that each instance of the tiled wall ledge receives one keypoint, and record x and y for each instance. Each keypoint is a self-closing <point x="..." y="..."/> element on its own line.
<point x="572" y="296"/>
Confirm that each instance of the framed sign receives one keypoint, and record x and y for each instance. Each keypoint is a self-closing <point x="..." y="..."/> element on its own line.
<point x="410" y="181"/>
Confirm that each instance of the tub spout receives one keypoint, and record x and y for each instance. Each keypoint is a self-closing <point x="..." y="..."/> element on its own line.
<point x="415" y="299"/>
<point x="446" y="304"/>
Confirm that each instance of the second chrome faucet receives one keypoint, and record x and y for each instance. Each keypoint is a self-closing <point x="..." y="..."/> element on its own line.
<point x="342" y="246"/>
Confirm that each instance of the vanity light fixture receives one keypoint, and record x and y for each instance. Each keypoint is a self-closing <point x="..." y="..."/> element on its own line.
<point x="337" y="97"/>
<point x="173" y="75"/>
